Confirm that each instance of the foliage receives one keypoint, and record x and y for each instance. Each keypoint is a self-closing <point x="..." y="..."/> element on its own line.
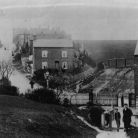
<point x="100" y="66"/>
<point x="17" y="57"/>
<point x="9" y="90"/>
<point x="56" y="80"/>
<point x="95" y="115"/>
<point x="39" y="74"/>
<point x="83" y="55"/>
<point x="66" y="102"/>
<point x="6" y="82"/>
<point x="6" y="69"/>
<point x="43" y="96"/>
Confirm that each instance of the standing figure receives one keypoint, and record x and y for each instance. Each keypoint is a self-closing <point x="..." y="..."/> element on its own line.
<point x="32" y="84"/>
<point x="117" y="118"/>
<point x="127" y="113"/>
<point x="107" y="117"/>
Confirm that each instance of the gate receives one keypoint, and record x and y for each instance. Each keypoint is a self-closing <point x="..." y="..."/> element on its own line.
<point x="132" y="100"/>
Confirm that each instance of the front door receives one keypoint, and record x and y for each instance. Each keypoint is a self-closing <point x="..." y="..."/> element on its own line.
<point x="122" y="100"/>
<point x="57" y="65"/>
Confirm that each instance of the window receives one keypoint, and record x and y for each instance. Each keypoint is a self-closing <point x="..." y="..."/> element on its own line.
<point x="64" y="54"/>
<point x="44" y="65"/>
<point x="44" y="53"/>
<point x="64" y="65"/>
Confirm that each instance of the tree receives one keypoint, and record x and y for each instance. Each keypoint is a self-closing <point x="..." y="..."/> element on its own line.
<point x="6" y="69"/>
<point x="59" y="82"/>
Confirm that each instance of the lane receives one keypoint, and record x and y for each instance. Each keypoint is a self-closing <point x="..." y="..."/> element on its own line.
<point x="19" y="80"/>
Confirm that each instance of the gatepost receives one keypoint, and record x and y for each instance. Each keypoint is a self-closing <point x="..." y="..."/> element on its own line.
<point x="136" y="80"/>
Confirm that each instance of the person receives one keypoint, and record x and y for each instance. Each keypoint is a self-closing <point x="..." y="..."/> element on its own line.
<point x="127" y="113"/>
<point x="107" y="117"/>
<point x="32" y="84"/>
<point x="117" y="118"/>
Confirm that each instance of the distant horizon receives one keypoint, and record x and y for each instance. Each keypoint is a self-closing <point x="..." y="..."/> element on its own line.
<point x="88" y="20"/>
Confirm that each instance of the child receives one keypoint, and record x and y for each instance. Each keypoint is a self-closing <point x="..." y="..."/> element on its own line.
<point x="117" y="118"/>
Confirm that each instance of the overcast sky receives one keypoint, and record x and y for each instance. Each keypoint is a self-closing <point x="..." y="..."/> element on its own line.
<point x="83" y="19"/>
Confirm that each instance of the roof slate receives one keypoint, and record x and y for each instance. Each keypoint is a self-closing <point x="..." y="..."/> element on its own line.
<point x="53" y="43"/>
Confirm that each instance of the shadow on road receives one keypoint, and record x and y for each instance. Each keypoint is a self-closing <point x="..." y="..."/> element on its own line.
<point x="133" y="132"/>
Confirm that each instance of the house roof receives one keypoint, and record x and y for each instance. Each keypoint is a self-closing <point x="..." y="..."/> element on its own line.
<point x="53" y="43"/>
<point x="136" y="50"/>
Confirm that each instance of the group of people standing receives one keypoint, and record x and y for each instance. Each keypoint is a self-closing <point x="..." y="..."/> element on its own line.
<point x="127" y="113"/>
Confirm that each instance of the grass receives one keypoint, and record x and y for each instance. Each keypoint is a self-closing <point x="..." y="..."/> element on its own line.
<point x="20" y="117"/>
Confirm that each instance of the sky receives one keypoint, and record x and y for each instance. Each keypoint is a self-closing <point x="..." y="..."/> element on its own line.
<point x="83" y="19"/>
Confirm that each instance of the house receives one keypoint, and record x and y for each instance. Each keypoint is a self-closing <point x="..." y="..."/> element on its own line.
<point x="54" y="53"/>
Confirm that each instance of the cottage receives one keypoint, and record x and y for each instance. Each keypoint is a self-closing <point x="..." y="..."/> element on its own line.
<point x="54" y="53"/>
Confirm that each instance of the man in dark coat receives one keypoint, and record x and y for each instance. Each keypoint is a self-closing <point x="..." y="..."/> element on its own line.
<point x="127" y="113"/>
<point x="117" y="118"/>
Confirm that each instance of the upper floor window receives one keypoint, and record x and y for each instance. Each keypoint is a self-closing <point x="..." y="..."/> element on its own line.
<point x="44" y="53"/>
<point x="44" y="65"/>
<point x="64" y="54"/>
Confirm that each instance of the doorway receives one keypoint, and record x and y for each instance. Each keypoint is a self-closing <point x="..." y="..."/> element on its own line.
<point x="57" y="65"/>
<point x="122" y="101"/>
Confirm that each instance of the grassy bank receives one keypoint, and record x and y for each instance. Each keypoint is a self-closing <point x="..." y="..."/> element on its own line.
<point x="20" y="117"/>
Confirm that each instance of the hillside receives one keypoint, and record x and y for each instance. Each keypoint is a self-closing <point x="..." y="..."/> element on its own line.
<point x="114" y="79"/>
<point x="100" y="50"/>
<point x="20" y="117"/>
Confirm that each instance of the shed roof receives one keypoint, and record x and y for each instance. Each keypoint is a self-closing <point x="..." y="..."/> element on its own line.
<point x="53" y="43"/>
<point x="136" y="50"/>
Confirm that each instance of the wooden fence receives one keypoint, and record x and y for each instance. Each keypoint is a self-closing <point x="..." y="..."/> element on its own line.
<point x="84" y="98"/>
<point x="100" y="99"/>
<point x="119" y="62"/>
<point x="105" y="99"/>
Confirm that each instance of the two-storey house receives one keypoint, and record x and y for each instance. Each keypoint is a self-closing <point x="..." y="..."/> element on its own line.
<point x="54" y="53"/>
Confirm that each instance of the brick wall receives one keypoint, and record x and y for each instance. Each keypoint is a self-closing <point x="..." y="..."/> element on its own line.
<point x="54" y="54"/>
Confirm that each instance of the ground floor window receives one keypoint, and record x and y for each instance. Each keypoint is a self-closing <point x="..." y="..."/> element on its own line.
<point x="44" y="65"/>
<point x="64" y="65"/>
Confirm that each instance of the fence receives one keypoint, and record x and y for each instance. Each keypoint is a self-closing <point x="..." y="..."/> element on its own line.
<point x="105" y="99"/>
<point x="84" y="98"/>
<point x="119" y="62"/>
<point x="99" y="99"/>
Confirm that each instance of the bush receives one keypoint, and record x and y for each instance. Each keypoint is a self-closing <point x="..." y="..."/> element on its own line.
<point x="95" y="115"/>
<point x="9" y="90"/>
<point x="43" y="96"/>
<point x="39" y="74"/>
<point x="66" y="102"/>
<point x="17" y="57"/>
<point x="100" y="66"/>
<point x="6" y="82"/>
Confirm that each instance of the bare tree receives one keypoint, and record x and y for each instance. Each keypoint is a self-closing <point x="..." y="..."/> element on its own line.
<point x="6" y="69"/>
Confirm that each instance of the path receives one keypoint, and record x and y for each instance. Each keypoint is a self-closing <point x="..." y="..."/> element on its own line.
<point x="19" y="80"/>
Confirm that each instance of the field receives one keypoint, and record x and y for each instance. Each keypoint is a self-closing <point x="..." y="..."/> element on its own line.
<point x="100" y="50"/>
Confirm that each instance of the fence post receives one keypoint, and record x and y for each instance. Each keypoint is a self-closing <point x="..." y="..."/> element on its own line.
<point x="110" y="121"/>
<point x="103" y="120"/>
<point x="91" y="97"/>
